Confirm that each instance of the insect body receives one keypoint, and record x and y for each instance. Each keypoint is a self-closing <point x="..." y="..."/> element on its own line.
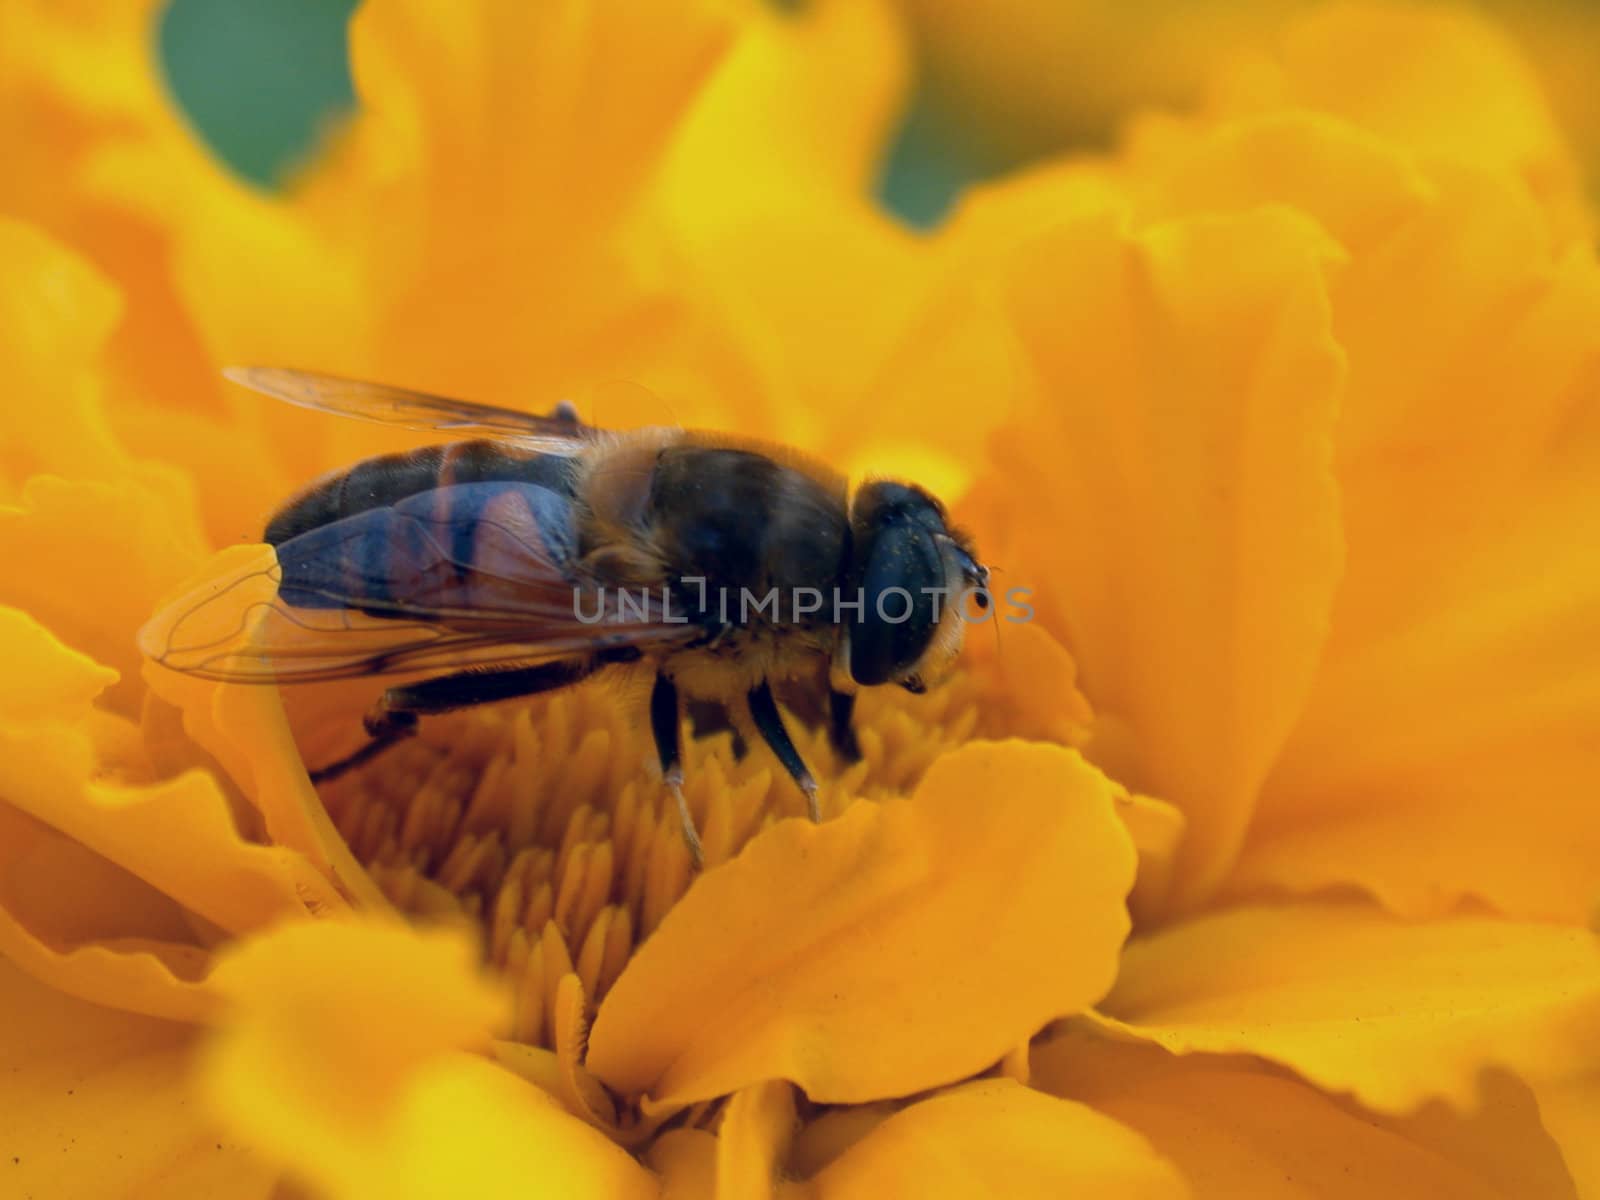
<point x="544" y="550"/>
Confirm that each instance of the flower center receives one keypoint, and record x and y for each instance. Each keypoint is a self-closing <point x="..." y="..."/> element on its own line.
<point x="544" y="825"/>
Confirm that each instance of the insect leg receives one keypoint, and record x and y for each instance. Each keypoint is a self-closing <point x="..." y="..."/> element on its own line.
<point x="384" y="729"/>
<point x="769" y="724"/>
<point x="469" y="688"/>
<point x="664" y="722"/>
<point x="841" y="707"/>
<point x="394" y="718"/>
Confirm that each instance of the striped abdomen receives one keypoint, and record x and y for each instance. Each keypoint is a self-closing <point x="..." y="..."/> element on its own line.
<point x="444" y="527"/>
<point x="386" y="480"/>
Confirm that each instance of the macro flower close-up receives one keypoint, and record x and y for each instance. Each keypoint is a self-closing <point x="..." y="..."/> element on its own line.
<point x="1154" y="745"/>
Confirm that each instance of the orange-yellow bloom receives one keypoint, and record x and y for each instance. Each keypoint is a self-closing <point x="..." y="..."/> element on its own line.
<point x="1258" y="864"/>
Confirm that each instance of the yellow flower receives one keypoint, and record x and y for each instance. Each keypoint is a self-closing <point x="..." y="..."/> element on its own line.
<point x="1424" y="339"/>
<point x="1253" y="454"/>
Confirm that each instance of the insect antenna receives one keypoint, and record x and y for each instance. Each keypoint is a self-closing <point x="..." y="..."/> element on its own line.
<point x="999" y="650"/>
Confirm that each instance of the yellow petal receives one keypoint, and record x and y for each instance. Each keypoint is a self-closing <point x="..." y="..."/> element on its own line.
<point x="1235" y="1127"/>
<point x="236" y="486"/>
<point x="466" y="1128"/>
<point x="998" y="1138"/>
<point x="1441" y="81"/>
<point x="85" y="926"/>
<point x="487" y="100"/>
<point x="406" y="995"/>
<point x="1184" y="539"/>
<point x="766" y="195"/>
<point x="1462" y="666"/>
<point x="1357" y="1001"/>
<point x="1156" y="828"/>
<point x="78" y="84"/>
<point x="686" y="1160"/>
<point x="1569" y="1111"/>
<point x="246" y="731"/>
<point x="56" y="312"/>
<point x="179" y="836"/>
<point x="99" y="1103"/>
<point x="829" y="1135"/>
<point x="497" y="271"/>
<point x="1356" y="185"/>
<point x="753" y="1141"/>
<point x="1457" y="672"/>
<point x="98" y="880"/>
<point x="799" y="110"/>
<point x="99" y="556"/>
<point x="89" y="928"/>
<point x="46" y="680"/>
<point x="895" y="948"/>
<point x="1030" y="682"/>
<point x="505" y="143"/>
<point x="344" y="1054"/>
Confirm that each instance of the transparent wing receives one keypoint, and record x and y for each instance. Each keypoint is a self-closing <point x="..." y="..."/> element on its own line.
<point x="559" y="433"/>
<point x="457" y="577"/>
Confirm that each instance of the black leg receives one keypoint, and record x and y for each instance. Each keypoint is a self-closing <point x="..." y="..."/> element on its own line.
<point x="841" y="707"/>
<point x="664" y="722"/>
<point x="470" y="688"/>
<point x="385" y="729"/>
<point x="769" y="724"/>
<point x="395" y="717"/>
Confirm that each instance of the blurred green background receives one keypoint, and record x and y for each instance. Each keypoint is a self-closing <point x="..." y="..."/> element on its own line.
<point x="259" y="78"/>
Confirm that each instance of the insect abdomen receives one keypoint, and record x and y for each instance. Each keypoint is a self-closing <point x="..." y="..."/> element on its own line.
<point x="390" y="478"/>
<point x="390" y="528"/>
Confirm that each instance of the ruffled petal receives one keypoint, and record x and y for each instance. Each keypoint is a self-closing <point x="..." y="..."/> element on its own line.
<point x="1462" y="672"/>
<point x="46" y="680"/>
<point x="99" y="881"/>
<point x="56" y="312"/>
<point x="1568" y="1109"/>
<point x="57" y="316"/>
<point x="798" y="113"/>
<point x="1236" y="1127"/>
<point x="99" y="1103"/>
<point x="1355" y="1000"/>
<point x="77" y="83"/>
<point x="1029" y="681"/>
<point x="499" y="270"/>
<point x="1458" y="671"/>
<point x="99" y="556"/>
<point x="997" y="1138"/>
<point x="889" y="950"/>
<point x="753" y="1142"/>
<point x="87" y="928"/>
<point x="1184" y="539"/>
<point x="765" y="196"/>
<point x="686" y="1160"/>
<point x="1443" y="82"/>
<point x="179" y="835"/>
<point x="768" y="202"/>
<point x="1357" y="186"/>
<point x="246" y="731"/>
<point x="1453" y="743"/>
<point x="1157" y="830"/>
<point x="343" y="1053"/>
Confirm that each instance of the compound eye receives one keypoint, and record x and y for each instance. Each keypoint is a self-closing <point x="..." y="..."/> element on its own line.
<point x="898" y="588"/>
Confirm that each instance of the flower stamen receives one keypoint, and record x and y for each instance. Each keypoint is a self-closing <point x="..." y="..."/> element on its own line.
<point x="541" y="825"/>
